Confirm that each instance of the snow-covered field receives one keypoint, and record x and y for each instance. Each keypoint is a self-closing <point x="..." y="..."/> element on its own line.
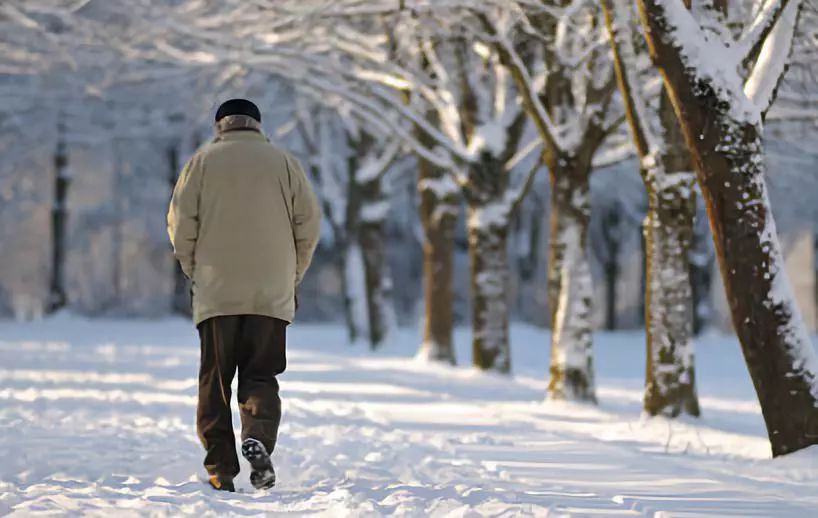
<point x="97" y="418"/>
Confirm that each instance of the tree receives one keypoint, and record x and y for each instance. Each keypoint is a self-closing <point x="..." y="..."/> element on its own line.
<point x="605" y="246"/>
<point x="459" y="114"/>
<point x="439" y="197"/>
<point x="563" y="74"/>
<point x="668" y="228"/>
<point x="59" y="216"/>
<point x="349" y="165"/>
<point x="721" y="88"/>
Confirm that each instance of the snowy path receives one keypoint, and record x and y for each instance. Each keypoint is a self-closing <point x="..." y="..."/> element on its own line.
<point x="97" y="418"/>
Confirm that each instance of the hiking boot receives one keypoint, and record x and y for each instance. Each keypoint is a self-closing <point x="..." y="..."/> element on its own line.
<point x="262" y="476"/>
<point x="220" y="483"/>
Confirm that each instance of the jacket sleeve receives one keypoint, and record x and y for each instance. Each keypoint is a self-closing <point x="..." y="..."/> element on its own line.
<point x="183" y="215"/>
<point x="306" y="218"/>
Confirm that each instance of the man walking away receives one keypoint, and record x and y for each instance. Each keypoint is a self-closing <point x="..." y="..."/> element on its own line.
<point x="244" y="224"/>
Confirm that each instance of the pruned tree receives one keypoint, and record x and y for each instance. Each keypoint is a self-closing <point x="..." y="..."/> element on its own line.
<point x="559" y="61"/>
<point x="480" y="124"/>
<point x="721" y="86"/>
<point x="439" y="207"/>
<point x="459" y="114"/>
<point x="667" y="173"/>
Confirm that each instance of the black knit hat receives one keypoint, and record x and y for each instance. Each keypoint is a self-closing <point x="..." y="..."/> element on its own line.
<point x="238" y="107"/>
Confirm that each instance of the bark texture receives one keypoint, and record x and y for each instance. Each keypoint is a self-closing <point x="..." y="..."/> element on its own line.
<point x="438" y="214"/>
<point x="728" y="155"/>
<point x="569" y="283"/>
<point x="670" y="387"/>
<point x="670" y="380"/>
<point x="488" y="225"/>
<point x="489" y="287"/>
<point x="667" y="233"/>
<point x="372" y="239"/>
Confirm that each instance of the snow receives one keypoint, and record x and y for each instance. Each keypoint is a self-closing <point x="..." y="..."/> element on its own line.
<point x="805" y="359"/>
<point x="98" y="418"/>
<point x="442" y="186"/>
<point x="356" y="289"/>
<point x="571" y="346"/>
<point x="710" y="59"/>
<point x="773" y="59"/>
<point x="490" y="215"/>
<point x="374" y="211"/>
<point x="491" y="137"/>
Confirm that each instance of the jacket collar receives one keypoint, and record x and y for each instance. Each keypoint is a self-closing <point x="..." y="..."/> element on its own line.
<point x="240" y="135"/>
<point x="237" y="122"/>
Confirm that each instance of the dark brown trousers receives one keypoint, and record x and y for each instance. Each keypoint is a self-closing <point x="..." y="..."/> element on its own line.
<point x="256" y="346"/>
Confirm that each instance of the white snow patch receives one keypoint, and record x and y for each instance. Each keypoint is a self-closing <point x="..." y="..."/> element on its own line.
<point x="442" y="186"/>
<point x="492" y="214"/>
<point x="378" y="434"/>
<point x="372" y="212"/>
<point x="356" y="290"/>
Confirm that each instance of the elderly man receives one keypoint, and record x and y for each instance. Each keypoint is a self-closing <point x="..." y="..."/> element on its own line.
<point x="244" y="224"/>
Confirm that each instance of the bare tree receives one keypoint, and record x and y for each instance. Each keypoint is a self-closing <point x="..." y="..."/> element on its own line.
<point x="564" y="76"/>
<point x="721" y="87"/>
<point x="668" y="228"/>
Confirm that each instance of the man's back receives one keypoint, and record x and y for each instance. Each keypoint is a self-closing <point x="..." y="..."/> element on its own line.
<point x="256" y="226"/>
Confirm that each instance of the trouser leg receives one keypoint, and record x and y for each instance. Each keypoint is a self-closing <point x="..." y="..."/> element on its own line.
<point x="219" y="336"/>
<point x="262" y="358"/>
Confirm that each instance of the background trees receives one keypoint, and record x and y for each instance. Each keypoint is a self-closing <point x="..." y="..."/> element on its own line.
<point x="439" y="114"/>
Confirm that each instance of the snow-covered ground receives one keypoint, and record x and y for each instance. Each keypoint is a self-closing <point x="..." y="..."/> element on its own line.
<point x="97" y="418"/>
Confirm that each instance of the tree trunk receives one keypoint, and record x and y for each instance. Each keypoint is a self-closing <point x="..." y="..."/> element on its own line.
<point x="728" y="154"/>
<point x="569" y="282"/>
<point x="611" y="278"/>
<point x="668" y="232"/>
<point x="376" y="283"/>
<point x="59" y="220"/>
<point x="353" y="285"/>
<point x="489" y="287"/>
<point x="643" y="276"/>
<point x="374" y="210"/>
<point x="670" y="381"/>
<point x="670" y="387"/>
<point x="438" y="214"/>
<point x="488" y="228"/>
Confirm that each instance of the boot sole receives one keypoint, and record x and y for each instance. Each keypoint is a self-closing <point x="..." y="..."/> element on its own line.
<point x="263" y="475"/>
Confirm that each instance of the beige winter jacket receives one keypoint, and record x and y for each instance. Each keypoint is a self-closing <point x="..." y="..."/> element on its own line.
<point x="244" y="223"/>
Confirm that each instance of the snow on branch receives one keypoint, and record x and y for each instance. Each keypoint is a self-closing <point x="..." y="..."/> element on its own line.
<point x="525" y="84"/>
<point x="375" y="165"/>
<point x="773" y="58"/>
<point x="757" y="31"/>
<point x="744" y="72"/>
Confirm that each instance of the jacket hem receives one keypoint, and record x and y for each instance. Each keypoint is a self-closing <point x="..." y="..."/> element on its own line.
<point x="198" y="319"/>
